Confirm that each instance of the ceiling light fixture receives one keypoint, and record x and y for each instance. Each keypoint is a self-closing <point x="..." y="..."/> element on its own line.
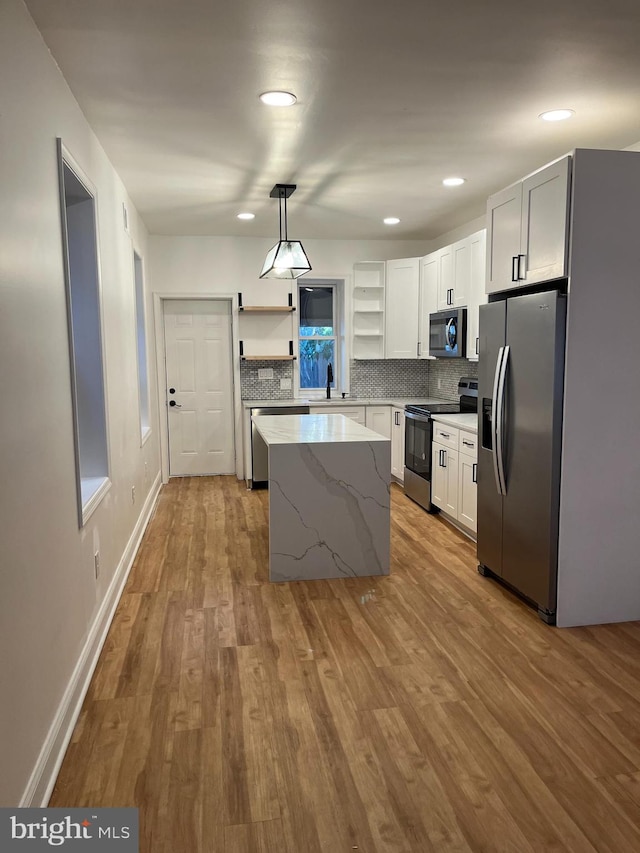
<point x="556" y="115"/>
<point x="278" y="99"/>
<point x="287" y="259"/>
<point x="453" y="182"/>
<point x="391" y="220"/>
<point x="246" y="216"/>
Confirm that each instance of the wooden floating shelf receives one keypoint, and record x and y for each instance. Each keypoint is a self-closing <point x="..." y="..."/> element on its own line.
<point x="267" y="309"/>
<point x="267" y="358"/>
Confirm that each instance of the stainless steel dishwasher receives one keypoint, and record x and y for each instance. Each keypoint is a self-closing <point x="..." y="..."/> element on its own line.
<point x="259" y="450"/>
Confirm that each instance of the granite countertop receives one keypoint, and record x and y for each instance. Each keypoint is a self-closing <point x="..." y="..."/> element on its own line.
<point x="467" y="422"/>
<point x="312" y="429"/>
<point x="348" y="401"/>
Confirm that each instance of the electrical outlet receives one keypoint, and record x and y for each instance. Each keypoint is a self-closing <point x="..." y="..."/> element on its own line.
<point x="439" y="384"/>
<point x="285" y="384"/>
<point x="96" y="564"/>
<point x="265" y="373"/>
<point x="133" y="494"/>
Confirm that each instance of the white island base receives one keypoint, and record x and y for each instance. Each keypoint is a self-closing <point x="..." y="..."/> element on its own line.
<point x="329" y="502"/>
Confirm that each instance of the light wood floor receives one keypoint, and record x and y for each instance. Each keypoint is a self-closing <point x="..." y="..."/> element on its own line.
<point x="426" y="711"/>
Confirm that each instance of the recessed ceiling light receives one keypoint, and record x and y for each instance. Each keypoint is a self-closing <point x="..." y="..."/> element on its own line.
<point x="453" y="182"/>
<point x="246" y="216"/>
<point x="391" y="220"/>
<point x="556" y="115"/>
<point x="278" y="99"/>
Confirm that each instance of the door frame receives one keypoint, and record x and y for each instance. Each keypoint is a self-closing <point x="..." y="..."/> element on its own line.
<point x="159" y="300"/>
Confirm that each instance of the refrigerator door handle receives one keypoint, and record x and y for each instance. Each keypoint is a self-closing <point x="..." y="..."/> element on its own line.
<point x="500" y="421"/>
<point x="494" y="420"/>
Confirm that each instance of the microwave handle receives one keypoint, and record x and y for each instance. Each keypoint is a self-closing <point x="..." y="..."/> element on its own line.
<point x="447" y="332"/>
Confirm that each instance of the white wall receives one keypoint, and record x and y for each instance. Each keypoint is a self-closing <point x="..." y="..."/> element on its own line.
<point x="50" y="602"/>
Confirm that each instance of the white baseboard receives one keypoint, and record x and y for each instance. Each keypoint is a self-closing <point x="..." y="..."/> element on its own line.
<point x="46" y="769"/>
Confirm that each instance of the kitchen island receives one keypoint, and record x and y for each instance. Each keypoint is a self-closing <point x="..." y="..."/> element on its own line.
<point x="329" y="503"/>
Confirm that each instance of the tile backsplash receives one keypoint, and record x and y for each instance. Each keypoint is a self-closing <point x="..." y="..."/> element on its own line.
<point x="369" y="378"/>
<point x="265" y="389"/>
<point x="448" y="372"/>
<point x="389" y="377"/>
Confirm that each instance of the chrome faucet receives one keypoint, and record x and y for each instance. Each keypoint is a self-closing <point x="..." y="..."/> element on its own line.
<point x="329" y="380"/>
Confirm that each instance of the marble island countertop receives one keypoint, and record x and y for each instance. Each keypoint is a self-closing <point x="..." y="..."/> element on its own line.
<point x="467" y="422"/>
<point x="312" y="429"/>
<point x="339" y="401"/>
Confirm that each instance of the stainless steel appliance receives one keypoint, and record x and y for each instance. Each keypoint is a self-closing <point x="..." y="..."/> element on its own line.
<point x="259" y="450"/>
<point x="418" y="434"/>
<point x="448" y="333"/>
<point x="520" y="390"/>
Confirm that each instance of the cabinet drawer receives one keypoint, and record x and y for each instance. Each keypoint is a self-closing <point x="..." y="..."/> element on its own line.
<point x="446" y="435"/>
<point x="468" y="444"/>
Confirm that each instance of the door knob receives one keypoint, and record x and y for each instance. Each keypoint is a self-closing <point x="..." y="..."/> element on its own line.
<point x="173" y="403"/>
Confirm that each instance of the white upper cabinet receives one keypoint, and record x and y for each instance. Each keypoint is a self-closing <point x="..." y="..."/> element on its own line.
<point x="446" y="277"/>
<point x="527" y="227"/>
<point x="368" y="310"/>
<point x="429" y="277"/>
<point x="477" y="293"/>
<point x="401" y="308"/>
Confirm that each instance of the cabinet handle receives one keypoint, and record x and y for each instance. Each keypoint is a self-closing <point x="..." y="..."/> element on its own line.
<point x="477" y="346"/>
<point x="520" y="259"/>
<point x="474" y="473"/>
<point x="418" y="349"/>
<point x="444" y="434"/>
<point x="450" y="296"/>
<point x="514" y="267"/>
<point x="467" y="443"/>
<point x="396" y="416"/>
<point x="443" y="458"/>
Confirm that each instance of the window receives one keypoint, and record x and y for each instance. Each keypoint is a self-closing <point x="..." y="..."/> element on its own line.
<point x="80" y="252"/>
<point x="141" y="339"/>
<point x="318" y="339"/>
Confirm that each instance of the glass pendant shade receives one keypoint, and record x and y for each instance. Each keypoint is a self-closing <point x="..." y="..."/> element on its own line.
<point x="287" y="259"/>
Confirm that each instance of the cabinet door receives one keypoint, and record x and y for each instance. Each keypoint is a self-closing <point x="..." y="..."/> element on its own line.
<point x="397" y="443"/>
<point x="444" y="478"/>
<point x="461" y="272"/>
<point x="401" y="305"/>
<point x="467" y="491"/>
<point x="445" y="277"/>
<point x="504" y="213"/>
<point x="378" y="418"/>
<point x="356" y="413"/>
<point x="543" y="236"/>
<point x="477" y="294"/>
<point x="429" y="268"/>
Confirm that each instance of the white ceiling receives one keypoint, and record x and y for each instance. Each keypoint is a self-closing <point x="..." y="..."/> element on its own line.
<point x="392" y="97"/>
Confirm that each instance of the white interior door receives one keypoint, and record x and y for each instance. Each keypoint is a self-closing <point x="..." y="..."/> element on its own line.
<point x="199" y="387"/>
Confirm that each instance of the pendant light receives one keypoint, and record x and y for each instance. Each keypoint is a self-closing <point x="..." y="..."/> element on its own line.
<point x="287" y="259"/>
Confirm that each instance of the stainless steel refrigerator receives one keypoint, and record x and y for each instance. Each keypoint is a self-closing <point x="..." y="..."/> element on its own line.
<point x="520" y="388"/>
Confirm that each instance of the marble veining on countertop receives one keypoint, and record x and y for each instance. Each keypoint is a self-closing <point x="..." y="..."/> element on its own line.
<point x="347" y="401"/>
<point x="312" y="429"/>
<point x="464" y="421"/>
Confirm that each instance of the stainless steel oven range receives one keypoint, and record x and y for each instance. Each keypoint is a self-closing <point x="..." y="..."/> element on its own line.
<point x="419" y="433"/>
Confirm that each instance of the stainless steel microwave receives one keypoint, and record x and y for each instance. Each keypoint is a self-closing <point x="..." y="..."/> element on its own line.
<point x="448" y="333"/>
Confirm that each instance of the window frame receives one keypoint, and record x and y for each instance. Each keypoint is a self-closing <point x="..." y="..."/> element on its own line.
<point x="336" y="337"/>
<point x="90" y="490"/>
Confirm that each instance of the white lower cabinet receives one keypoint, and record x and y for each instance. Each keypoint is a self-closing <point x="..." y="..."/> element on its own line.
<point x="356" y="413"/>
<point x="397" y="443"/>
<point x="467" y="491"/>
<point x="454" y="474"/>
<point x="378" y="418"/>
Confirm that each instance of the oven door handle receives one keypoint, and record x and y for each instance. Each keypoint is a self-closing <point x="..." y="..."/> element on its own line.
<point x="412" y="416"/>
<point x="494" y="421"/>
